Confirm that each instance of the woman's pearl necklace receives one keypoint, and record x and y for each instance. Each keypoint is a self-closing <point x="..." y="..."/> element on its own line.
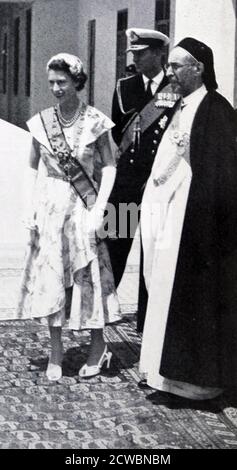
<point x="69" y="122"/>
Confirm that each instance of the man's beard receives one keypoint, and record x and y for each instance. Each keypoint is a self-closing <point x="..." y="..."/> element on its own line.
<point x="175" y="87"/>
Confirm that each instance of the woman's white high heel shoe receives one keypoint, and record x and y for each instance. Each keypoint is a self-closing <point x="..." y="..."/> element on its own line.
<point x="54" y="371"/>
<point x="90" y="371"/>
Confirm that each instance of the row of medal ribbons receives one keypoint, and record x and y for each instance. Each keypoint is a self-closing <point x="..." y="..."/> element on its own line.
<point x="166" y="100"/>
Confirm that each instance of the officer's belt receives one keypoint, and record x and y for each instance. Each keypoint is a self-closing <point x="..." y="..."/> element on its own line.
<point x="148" y="115"/>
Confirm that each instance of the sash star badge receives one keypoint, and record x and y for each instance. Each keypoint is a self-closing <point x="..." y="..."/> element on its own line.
<point x="163" y="122"/>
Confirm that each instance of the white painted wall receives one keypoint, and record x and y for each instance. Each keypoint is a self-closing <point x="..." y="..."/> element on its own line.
<point x="213" y="22"/>
<point x="141" y="13"/>
<point x="54" y="29"/>
<point x="61" y="25"/>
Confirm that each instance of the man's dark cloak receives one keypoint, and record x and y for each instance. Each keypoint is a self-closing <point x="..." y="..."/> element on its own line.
<point x="201" y="336"/>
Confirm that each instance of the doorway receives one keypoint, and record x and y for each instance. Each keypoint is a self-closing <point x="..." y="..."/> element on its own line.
<point x="15" y="62"/>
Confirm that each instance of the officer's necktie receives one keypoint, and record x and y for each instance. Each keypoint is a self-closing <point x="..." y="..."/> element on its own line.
<point x="149" y="94"/>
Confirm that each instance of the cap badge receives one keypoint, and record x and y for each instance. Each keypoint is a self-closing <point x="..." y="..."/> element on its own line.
<point x="133" y="36"/>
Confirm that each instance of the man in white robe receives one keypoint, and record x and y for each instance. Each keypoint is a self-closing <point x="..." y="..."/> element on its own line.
<point x="189" y="313"/>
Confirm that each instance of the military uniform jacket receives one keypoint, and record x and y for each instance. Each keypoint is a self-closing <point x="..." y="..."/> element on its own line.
<point x="133" y="169"/>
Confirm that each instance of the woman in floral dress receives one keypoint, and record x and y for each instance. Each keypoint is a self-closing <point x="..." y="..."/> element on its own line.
<point x="67" y="273"/>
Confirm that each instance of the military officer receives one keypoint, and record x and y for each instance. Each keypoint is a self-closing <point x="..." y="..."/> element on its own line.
<point x="141" y="113"/>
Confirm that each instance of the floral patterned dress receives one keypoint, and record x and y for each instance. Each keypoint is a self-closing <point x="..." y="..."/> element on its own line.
<point x="69" y="275"/>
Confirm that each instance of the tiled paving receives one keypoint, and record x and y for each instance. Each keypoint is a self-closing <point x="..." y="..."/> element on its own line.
<point x="108" y="411"/>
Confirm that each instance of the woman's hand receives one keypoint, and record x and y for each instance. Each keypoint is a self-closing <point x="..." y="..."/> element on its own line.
<point x="28" y="193"/>
<point x="95" y="219"/>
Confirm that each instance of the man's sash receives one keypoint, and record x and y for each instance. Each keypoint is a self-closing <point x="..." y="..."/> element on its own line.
<point x="161" y="102"/>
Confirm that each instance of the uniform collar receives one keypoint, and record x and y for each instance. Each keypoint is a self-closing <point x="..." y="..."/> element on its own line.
<point x="157" y="79"/>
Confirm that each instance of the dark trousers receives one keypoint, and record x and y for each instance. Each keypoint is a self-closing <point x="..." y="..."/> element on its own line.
<point x="119" y="250"/>
<point x="142" y="297"/>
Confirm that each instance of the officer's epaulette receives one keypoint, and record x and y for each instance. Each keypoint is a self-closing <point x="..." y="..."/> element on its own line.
<point x="120" y="84"/>
<point x="125" y="79"/>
